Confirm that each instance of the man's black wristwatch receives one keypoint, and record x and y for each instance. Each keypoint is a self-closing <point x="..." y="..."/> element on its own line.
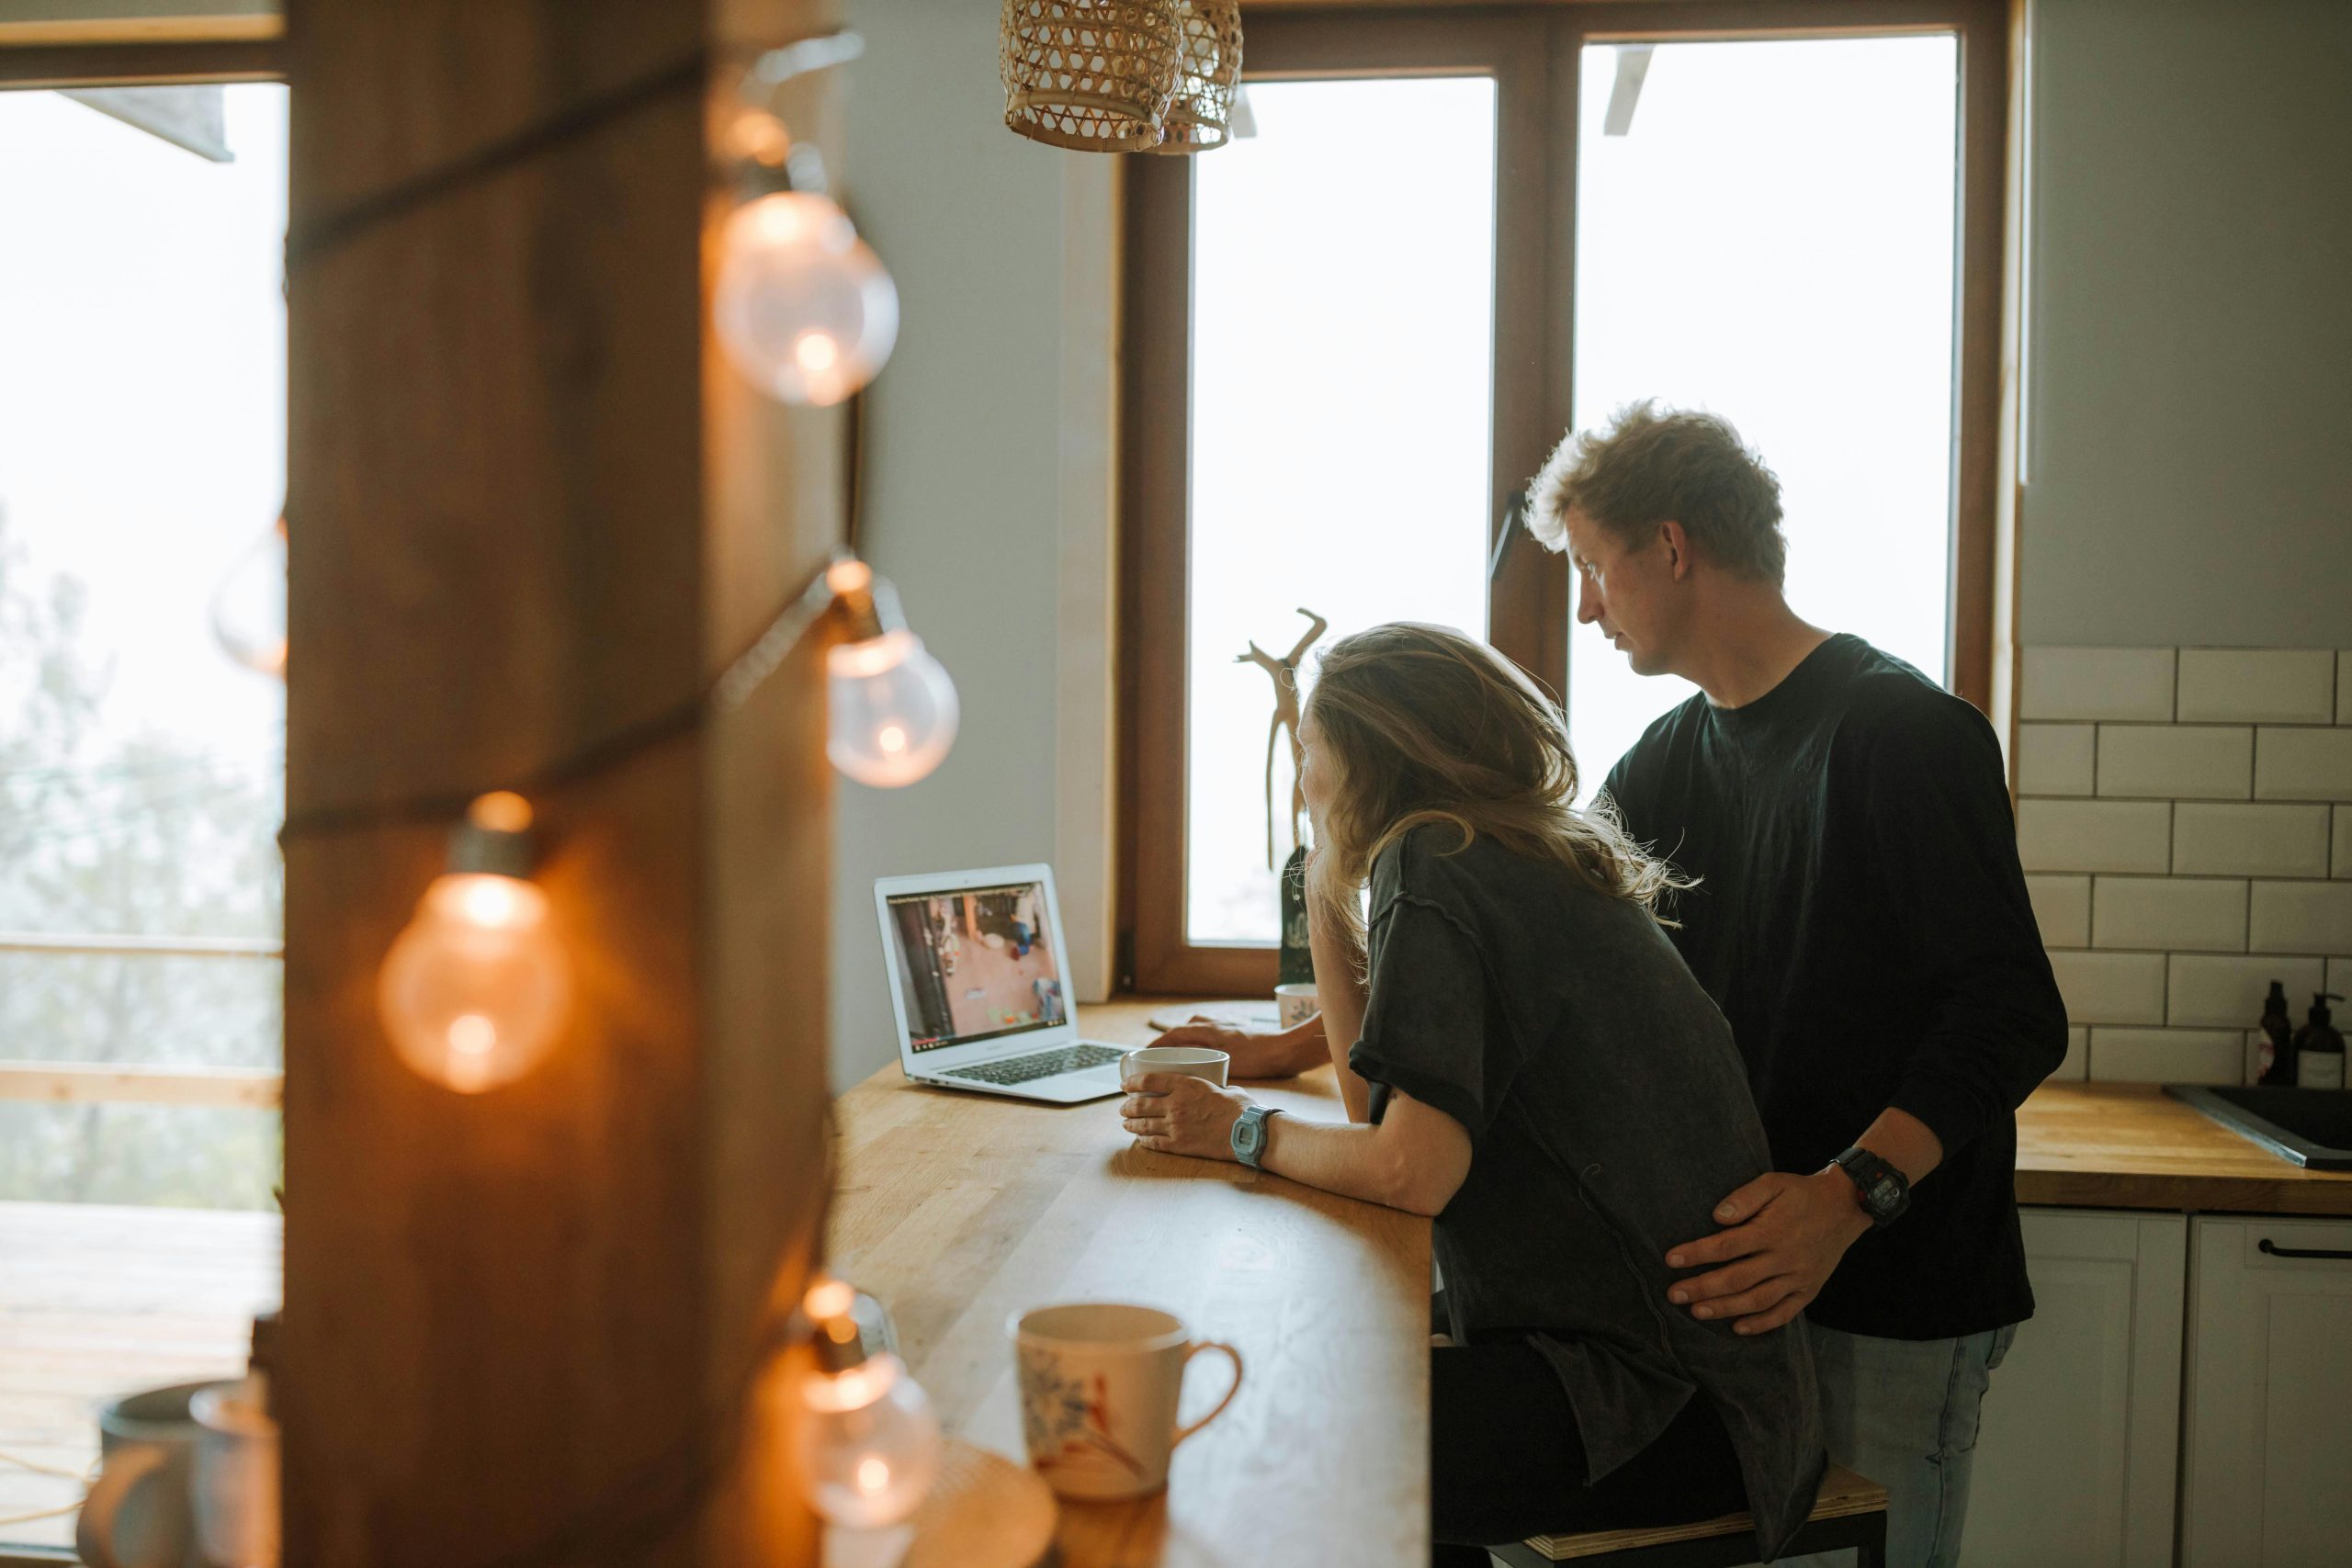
<point x="1885" y="1193"/>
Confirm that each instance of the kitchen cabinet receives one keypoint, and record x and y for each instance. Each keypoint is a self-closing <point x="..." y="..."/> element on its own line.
<point x="2266" y="1470"/>
<point x="2079" y="1446"/>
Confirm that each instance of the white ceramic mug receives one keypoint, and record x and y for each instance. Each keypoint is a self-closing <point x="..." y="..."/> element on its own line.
<point x="234" y="1488"/>
<point x="1295" y="1004"/>
<point x="1100" y="1384"/>
<point x="1187" y="1061"/>
<point x="138" y="1514"/>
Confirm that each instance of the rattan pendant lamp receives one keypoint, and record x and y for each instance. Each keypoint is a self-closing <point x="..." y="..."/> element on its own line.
<point x="1200" y="114"/>
<point x="1121" y="75"/>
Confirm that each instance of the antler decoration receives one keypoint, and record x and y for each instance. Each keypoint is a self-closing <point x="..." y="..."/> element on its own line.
<point x="1285" y="673"/>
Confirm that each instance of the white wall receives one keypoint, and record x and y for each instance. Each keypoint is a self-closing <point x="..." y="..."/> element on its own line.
<point x="2190" y="405"/>
<point x="988" y="478"/>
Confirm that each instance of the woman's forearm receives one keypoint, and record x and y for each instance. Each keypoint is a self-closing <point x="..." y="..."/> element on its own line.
<point x="1339" y="993"/>
<point x="1351" y="1160"/>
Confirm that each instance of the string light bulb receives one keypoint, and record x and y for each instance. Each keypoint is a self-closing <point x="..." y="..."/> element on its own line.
<point x="249" y="607"/>
<point x="868" y="1443"/>
<point x="891" y="710"/>
<point x="475" y="987"/>
<point x="804" y="307"/>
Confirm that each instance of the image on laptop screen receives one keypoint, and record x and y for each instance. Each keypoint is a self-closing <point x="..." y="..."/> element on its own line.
<point x="976" y="964"/>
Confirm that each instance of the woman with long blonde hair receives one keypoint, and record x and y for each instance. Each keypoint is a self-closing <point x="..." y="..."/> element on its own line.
<point x="1524" y="1057"/>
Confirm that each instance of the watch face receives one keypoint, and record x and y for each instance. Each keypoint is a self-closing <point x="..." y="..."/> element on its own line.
<point x="1247" y="1133"/>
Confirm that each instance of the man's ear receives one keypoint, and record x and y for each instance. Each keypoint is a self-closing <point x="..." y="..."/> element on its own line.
<point x="1679" y="558"/>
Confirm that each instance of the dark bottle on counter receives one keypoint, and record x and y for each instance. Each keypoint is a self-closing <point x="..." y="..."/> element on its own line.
<point x="1296" y="967"/>
<point x="2319" y="1047"/>
<point x="2278" y="1041"/>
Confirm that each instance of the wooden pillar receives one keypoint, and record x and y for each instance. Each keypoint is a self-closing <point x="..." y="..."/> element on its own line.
<point x="531" y="509"/>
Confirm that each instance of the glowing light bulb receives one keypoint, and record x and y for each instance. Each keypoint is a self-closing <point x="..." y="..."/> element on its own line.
<point x="893" y="710"/>
<point x="803" y="306"/>
<point x="249" y="607"/>
<point x="868" y="1444"/>
<point x="475" y="987"/>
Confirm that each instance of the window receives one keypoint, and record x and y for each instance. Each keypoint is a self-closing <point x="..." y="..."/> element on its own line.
<point x="1353" y="336"/>
<point x="1764" y="227"/>
<point x="142" y="457"/>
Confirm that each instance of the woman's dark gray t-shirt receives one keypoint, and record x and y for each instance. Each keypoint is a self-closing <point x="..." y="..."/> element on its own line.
<point x="1608" y="1112"/>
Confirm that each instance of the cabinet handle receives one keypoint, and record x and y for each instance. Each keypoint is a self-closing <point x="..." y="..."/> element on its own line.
<point x="2272" y="1248"/>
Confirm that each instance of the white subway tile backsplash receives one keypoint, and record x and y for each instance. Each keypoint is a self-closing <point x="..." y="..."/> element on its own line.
<point x="2249" y="840"/>
<point x="2095" y="835"/>
<point x="2055" y="759"/>
<point x="2176" y="761"/>
<point x="2302" y="765"/>
<point x="2167" y="1055"/>
<point x="2302" y="917"/>
<point x="2061" y="908"/>
<point x="2097" y="682"/>
<point x="2228" y="992"/>
<point x="2283" y="685"/>
<point x="2185" y="819"/>
<point x="2169" y="913"/>
<point x="2111" y="987"/>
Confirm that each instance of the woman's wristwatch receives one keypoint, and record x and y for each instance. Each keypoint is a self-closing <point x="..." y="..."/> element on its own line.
<point x="1249" y="1135"/>
<point x="1884" y="1192"/>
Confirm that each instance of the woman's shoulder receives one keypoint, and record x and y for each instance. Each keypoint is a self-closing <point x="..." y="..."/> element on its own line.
<point x="1468" y="872"/>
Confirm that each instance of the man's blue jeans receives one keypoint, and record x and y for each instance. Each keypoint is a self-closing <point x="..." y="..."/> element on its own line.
<point x="1903" y="1412"/>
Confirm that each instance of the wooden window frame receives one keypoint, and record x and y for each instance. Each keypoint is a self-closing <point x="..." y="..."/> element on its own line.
<point x="1533" y="50"/>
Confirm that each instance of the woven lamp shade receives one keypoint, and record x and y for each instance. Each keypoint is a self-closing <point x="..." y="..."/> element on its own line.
<point x="1094" y="74"/>
<point x="1200" y="115"/>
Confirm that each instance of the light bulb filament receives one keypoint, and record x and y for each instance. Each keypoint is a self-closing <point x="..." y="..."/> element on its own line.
<point x="471" y="1035"/>
<point x="816" y="352"/>
<point x="873" y="1473"/>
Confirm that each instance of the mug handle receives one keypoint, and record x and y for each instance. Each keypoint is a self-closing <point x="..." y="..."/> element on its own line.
<point x="128" y="1469"/>
<point x="1235" y="1355"/>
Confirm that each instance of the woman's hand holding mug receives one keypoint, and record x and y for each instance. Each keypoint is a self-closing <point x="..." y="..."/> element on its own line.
<point x="1180" y="1115"/>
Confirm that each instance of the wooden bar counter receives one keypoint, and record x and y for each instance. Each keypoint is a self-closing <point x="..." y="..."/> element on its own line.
<point x="961" y="1210"/>
<point x="2117" y="1145"/>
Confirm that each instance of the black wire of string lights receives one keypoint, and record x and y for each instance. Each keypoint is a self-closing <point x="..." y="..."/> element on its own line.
<point x="765" y="69"/>
<point x="832" y="589"/>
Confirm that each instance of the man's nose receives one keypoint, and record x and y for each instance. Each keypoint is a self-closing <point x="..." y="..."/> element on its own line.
<point x="1588" y="604"/>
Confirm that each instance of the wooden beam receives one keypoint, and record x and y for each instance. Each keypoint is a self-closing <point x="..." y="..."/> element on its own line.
<point x="84" y="1083"/>
<point x="140" y="64"/>
<point x="140" y="21"/>
<point x="110" y="945"/>
<point x="538" y="510"/>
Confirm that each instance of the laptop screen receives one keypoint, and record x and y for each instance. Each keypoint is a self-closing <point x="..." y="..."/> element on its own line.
<point x="976" y="964"/>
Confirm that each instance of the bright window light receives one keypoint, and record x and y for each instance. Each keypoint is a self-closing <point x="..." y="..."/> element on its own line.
<point x="1771" y="239"/>
<point x="1341" y="457"/>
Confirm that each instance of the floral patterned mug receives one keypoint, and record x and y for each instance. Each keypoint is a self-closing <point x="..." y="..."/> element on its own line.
<point x="1099" y="1388"/>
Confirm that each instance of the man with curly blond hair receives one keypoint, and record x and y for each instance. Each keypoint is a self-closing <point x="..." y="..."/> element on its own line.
<point x="1859" y="916"/>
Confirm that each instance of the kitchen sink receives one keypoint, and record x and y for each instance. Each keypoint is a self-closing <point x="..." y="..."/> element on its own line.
<point x="2310" y="1126"/>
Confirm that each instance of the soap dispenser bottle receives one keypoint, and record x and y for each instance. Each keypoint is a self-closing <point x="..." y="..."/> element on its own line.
<point x="2277" y="1050"/>
<point x="2319" y="1047"/>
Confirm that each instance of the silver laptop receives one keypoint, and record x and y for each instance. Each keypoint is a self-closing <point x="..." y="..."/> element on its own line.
<point x="979" y="988"/>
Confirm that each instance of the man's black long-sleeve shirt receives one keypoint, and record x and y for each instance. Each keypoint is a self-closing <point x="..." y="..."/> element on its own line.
<point x="1861" y="920"/>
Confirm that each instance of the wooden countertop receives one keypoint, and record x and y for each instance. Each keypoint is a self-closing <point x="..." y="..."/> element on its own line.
<point x="960" y="1210"/>
<point x="2133" y="1146"/>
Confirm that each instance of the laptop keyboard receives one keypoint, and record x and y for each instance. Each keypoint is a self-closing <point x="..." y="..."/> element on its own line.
<point x="1044" y="1065"/>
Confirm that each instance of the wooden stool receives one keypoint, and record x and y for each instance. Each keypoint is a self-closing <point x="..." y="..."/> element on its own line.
<point x="1849" y="1512"/>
